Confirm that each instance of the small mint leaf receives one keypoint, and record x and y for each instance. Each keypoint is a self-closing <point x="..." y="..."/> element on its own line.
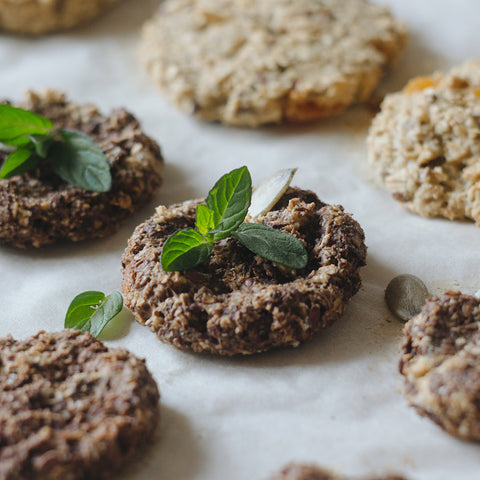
<point x="272" y="244"/>
<point x="17" y="123"/>
<point x="185" y="250"/>
<point x="204" y="219"/>
<point x="92" y="311"/>
<point x="83" y="306"/>
<point x="20" y="161"/>
<point x="41" y="144"/>
<point x="229" y="200"/>
<point x="109" y="309"/>
<point x="80" y="161"/>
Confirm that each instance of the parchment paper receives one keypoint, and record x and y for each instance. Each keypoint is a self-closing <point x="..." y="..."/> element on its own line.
<point x="336" y="400"/>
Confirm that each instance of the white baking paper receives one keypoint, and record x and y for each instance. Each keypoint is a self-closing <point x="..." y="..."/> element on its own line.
<point x="337" y="400"/>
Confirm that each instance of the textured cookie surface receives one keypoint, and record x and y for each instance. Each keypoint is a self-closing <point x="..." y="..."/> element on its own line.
<point x="38" y="207"/>
<point x="424" y="144"/>
<point x="237" y="302"/>
<point x="311" y="472"/>
<point x="441" y="363"/>
<point x="37" y="17"/>
<point x="250" y="62"/>
<point x="71" y="408"/>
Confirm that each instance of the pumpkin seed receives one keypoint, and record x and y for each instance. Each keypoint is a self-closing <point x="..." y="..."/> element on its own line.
<point x="405" y="296"/>
<point x="267" y="194"/>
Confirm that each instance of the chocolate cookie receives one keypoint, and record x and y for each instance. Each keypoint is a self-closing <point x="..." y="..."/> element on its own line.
<point x="39" y="208"/>
<point x="296" y="471"/>
<point x="423" y="145"/>
<point x="237" y="302"/>
<point x="441" y="363"/>
<point x="35" y="17"/>
<point x="71" y="408"/>
<point x="246" y="62"/>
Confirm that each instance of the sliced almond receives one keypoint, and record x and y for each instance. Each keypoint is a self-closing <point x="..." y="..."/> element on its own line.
<point x="267" y="194"/>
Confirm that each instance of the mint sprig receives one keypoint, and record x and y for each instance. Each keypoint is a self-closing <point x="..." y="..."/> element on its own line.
<point x="92" y="311"/>
<point x="223" y="216"/>
<point x="72" y="155"/>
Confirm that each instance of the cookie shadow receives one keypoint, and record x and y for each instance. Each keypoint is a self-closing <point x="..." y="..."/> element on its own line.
<point x="175" y="454"/>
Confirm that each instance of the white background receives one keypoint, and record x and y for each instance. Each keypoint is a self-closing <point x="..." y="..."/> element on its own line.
<point x="336" y="400"/>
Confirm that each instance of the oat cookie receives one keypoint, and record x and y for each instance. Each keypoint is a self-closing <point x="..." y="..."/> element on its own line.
<point x="296" y="471"/>
<point x="424" y="144"/>
<point x="441" y="363"/>
<point x="36" y="17"/>
<point x="237" y="302"/>
<point x="246" y="62"/>
<point x="71" y="408"/>
<point x="39" y="208"/>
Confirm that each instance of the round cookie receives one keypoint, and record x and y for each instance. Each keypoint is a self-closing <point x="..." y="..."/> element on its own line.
<point x="296" y="471"/>
<point x="71" y="408"/>
<point x="237" y="302"/>
<point x="249" y="62"/>
<point x="39" y="208"/>
<point x="36" y="17"/>
<point x="441" y="363"/>
<point x="423" y="145"/>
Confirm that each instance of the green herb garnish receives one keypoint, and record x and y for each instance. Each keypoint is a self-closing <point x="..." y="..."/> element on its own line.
<point x="92" y="311"/>
<point x="223" y="216"/>
<point x="72" y="155"/>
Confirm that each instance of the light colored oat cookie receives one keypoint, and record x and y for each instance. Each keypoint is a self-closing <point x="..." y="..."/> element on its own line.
<point x="71" y="408"/>
<point x="295" y="471"/>
<point x="250" y="62"/>
<point x="424" y="145"/>
<point x="38" y="207"/>
<point x="237" y="302"/>
<point x="36" y="17"/>
<point x="441" y="363"/>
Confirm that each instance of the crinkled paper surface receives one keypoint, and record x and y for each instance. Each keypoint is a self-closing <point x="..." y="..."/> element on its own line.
<point x="336" y="401"/>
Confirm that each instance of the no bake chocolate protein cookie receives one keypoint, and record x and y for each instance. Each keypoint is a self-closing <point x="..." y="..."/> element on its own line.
<point x="249" y="62"/>
<point x="441" y="363"/>
<point x="71" y="408"/>
<point x="296" y="471"/>
<point x="39" y="208"/>
<point x="36" y="17"/>
<point x="238" y="302"/>
<point x="424" y="144"/>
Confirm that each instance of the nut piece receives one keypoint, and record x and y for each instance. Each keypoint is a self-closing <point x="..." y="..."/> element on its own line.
<point x="269" y="192"/>
<point x="405" y="295"/>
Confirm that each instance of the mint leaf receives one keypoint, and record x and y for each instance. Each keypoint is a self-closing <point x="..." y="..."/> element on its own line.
<point x="81" y="162"/>
<point x="83" y="306"/>
<point x="229" y="199"/>
<point x="20" y="161"/>
<point x="204" y="220"/>
<point x="92" y="311"/>
<point x="184" y="250"/>
<point x="272" y="244"/>
<point x="16" y="124"/>
<point x="109" y="309"/>
<point x="41" y="144"/>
